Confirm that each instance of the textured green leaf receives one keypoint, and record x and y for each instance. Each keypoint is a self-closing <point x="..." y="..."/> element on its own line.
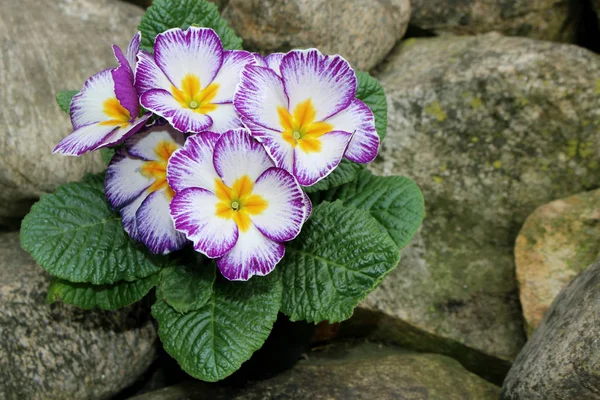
<point x="371" y="92"/>
<point x="64" y="97"/>
<point x="75" y="236"/>
<point x="212" y="342"/>
<point x="167" y="14"/>
<point x="105" y="297"/>
<point x="107" y="154"/>
<point x="394" y="201"/>
<point x="187" y="287"/>
<point x="340" y="256"/>
<point x="346" y="172"/>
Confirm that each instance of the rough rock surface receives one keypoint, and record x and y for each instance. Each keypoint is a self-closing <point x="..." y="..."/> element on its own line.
<point x="537" y="19"/>
<point x="44" y="50"/>
<point x="363" y="372"/>
<point x="556" y="242"/>
<point x="58" y="351"/>
<point x="362" y="31"/>
<point x="562" y="359"/>
<point x="490" y="128"/>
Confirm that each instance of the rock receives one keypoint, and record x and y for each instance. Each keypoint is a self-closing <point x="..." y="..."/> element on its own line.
<point x="363" y="372"/>
<point x="147" y="3"/>
<point x="362" y="32"/>
<point x="490" y="128"/>
<point x="58" y="351"/>
<point x="537" y="19"/>
<point x="556" y="242"/>
<point x="46" y="49"/>
<point x="562" y="359"/>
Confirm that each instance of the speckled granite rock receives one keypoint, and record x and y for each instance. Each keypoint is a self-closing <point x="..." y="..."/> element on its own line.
<point x="556" y="242"/>
<point x="361" y="31"/>
<point x="490" y="128"/>
<point x="45" y="49"/>
<point x="562" y="359"/>
<point x="537" y="19"/>
<point x="362" y="372"/>
<point x="58" y="351"/>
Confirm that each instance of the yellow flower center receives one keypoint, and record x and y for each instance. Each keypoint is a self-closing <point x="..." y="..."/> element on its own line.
<point x="300" y="128"/>
<point x="119" y="115"/>
<point x="157" y="170"/>
<point x="191" y="96"/>
<point x="238" y="203"/>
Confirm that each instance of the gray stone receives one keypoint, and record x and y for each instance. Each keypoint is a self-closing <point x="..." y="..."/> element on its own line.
<point x="366" y="371"/>
<point x="562" y="359"/>
<point x="46" y="49"/>
<point x="361" y="31"/>
<point x="58" y="351"/>
<point x="490" y="128"/>
<point x="537" y="19"/>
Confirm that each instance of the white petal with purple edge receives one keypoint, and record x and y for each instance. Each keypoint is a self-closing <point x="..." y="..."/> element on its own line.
<point x="122" y="59"/>
<point x="253" y="254"/>
<point x="328" y="81"/>
<point x="258" y="96"/>
<point x="155" y="227"/>
<point x="283" y="218"/>
<point x="194" y="213"/>
<point x="224" y="118"/>
<point x="228" y="76"/>
<point x="124" y="181"/>
<point x="259" y="60"/>
<point x="308" y="207"/>
<point x="273" y="61"/>
<point x="133" y="50"/>
<point x="309" y="168"/>
<point x="87" y="106"/>
<point x="238" y="154"/>
<point x="144" y="144"/>
<point x="128" y="216"/>
<point x="184" y="120"/>
<point x="84" y="139"/>
<point x="195" y="51"/>
<point x="280" y="151"/>
<point x="148" y="76"/>
<point x="192" y="165"/>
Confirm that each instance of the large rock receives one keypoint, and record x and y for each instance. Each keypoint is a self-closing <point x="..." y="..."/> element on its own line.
<point x="361" y="31"/>
<point x="45" y="49"/>
<point x="556" y="242"/>
<point x="537" y="19"/>
<point x="562" y="359"/>
<point x="363" y="372"/>
<point x="58" y="351"/>
<point x="490" y="128"/>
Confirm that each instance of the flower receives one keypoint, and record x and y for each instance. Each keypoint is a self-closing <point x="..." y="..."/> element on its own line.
<point x="136" y="184"/>
<point x="233" y="203"/>
<point x="105" y="112"/>
<point x="303" y="110"/>
<point x="190" y="80"/>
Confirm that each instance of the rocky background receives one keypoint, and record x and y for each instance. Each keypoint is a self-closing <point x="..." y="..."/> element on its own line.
<point x="494" y="110"/>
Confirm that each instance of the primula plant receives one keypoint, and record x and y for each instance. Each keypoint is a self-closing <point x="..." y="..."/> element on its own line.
<point x="235" y="186"/>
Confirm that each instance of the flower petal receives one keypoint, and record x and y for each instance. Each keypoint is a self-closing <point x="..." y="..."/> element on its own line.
<point x="155" y="227"/>
<point x="84" y="139"/>
<point x="124" y="181"/>
<point x="192" y="165"/>
<point x="224" y="118"/>
<point x="87" y="106"/>
<point x="196" y="51"/>
<point x="133" y="49"/>
<point x="283" y="218"/>
<point x="308" y="207"/>
<point x="128" y="216"/>
<point x="194" y="213"/>
<point x="144" y="145"/>
<point x="253" y="254"/>
<point x="280" y="151"/>
<point x="311" y="167"/>
<point x="328" y="81"/>
<point x="358" y="119"/>
<point x="228" y="76"/>
<point x="184" y="120"/>
<point x="258" y="96"/>
<point x="124" y="89"/>
<point x="273" y="61"/>
<point x="148" y="76"/>
<point x="259" y="60"/>
<point x="238" y="154"/>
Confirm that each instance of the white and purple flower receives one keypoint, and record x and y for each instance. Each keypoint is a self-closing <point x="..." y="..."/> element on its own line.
<point x="105" y="112"/>
<point x="302" y="108"/>
<point x="233" y="203"/>
<point x="136" y="184"/>
<point x="190" y="80"/>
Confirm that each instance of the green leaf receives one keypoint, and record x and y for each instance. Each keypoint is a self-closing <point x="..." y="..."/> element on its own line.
<point x="212" y="342"/>
<point x="394" y="201"/>
<point x="167" y="14"/>
<point x="371" y="92"/>
<point x="346" y="172"/>
<point x="340" y="256"/>
<point x="187" y="287"/>
<point x="107" y="153"/>
<point x="75" y="236"/>
<point x="105" y="297"/>
<point x="64" y="97"/>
